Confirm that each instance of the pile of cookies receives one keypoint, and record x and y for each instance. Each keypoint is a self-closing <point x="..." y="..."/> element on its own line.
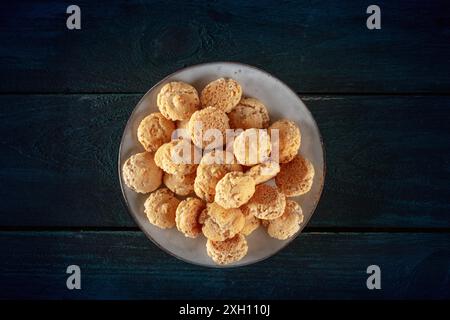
<point x="223" y="187"/>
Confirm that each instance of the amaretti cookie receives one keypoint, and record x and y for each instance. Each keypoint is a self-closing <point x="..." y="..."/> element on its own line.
<point x="155" y="130"/>
<point x="227" y="251"/>
<point x="180" y="184"/>
<point x="178" y="100"/>
<point x="252" y="147"/>
<point x="177" y="157"/>
<point x="251" y="222"/>
<point x="220" y="223"/>
<point x="207" y="128"/>
<point x="249" y="113"/>
<point x="288" y="224"/>
<point x="222" y="93"/>
<point x="141" y="174"/>
<point x="213" y="166"/>
<point x="289" y="139"/>
<point x="264" y="172"/>
<point x="295" y="177"/>
<point x="187" y="217"/>
<point x="160" y="208"/>
<point x="234" y="190"/>
<point x="267" y="202"/>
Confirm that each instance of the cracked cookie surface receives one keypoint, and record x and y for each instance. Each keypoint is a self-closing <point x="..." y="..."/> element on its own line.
<point x="222" y="93"/>
<point x="228" y="251"/>
<point x="141" y="174"/>
<point x="178" y="100"/>
<point x="234" y="190"/>
<point x="160" y="208"/>
<point x="295" y="177"/>
<point x="267" y="202"/>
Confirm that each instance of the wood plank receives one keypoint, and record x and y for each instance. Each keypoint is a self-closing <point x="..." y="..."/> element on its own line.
<point x="127" y="46"/>
<point x="125" y="265"/>
<point x="387" y="160"/>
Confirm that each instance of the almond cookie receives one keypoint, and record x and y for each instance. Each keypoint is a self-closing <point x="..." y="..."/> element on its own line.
<point x="187" y="217"/>
<point x="141" y="174"/>
<point x="234" y="190"/>
<point x="207" y="128"/>
<point x="160" y="208"/>
<point x="267" y="202"/>
<point x="228" y="251"/>
<point x="249" y="113"/>
<point x="288" y="224"/>
<point x="220" y="223"/>
<point x="177" y="157"/>
<point x="251" y="222"/>
<point x="289" y="139"/>
<point x="154" y="130"/>
<point x="222" y="93"/>
<point x="178" y="100"/>
<point x="264" y="172"/>
<point x="213" y="166"/>
<point x="252" y="147"/>
<point x="180" y="184"/>
<point x="295" y="177"/>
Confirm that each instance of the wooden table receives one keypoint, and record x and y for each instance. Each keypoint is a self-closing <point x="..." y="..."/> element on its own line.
<point x="380" y="97"/>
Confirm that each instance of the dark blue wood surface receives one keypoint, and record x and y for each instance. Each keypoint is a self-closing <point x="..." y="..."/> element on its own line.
<point x="387" y="160"/>
<point x="381" y="99"/>
<point x="314" y="46"/>
<point x="118" y="265"/>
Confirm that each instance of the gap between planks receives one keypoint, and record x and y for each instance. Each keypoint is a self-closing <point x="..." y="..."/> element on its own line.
<point x="427" y="94"/>
<point x="306" y="230"/>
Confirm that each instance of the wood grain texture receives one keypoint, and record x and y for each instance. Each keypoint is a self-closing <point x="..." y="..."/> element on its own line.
<point x="388" y="160"/>
<point x="125" y="265"/>
<point x="127" y="46"/>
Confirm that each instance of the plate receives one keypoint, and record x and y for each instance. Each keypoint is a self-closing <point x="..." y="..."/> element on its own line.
<point x="281" y="102"/>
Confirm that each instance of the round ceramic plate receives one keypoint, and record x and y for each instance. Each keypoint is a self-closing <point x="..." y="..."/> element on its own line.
<point x="281" y="102"/>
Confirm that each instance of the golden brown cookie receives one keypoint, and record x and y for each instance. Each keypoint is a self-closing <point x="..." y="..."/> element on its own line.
<point x="251" y="222"/>
<point x="160" y="208"/>
<point x="295" y="177"/>
<point x="267" y="202"/>
<point x="213" y="166"/>
<point x="288" y="224"/>
<point x="141" y="174"/>
<point x="252" y="147"/>
<point x="249" y="113"/>
<point x="154" y="130"/>
<point x="187" y="217"/>
<point x="181" y="185"/>
<point x="207" y="128"/>
<point x="222" y="93"/>
<point x="178" y="100"/>
<point x="234" y="190"/>
<point x="220" y="223"/>
<point x="177" y="157"/>
<point x="289" y="138"/>
<point x="263" y="172"/>
<point x="228" y="251"/>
